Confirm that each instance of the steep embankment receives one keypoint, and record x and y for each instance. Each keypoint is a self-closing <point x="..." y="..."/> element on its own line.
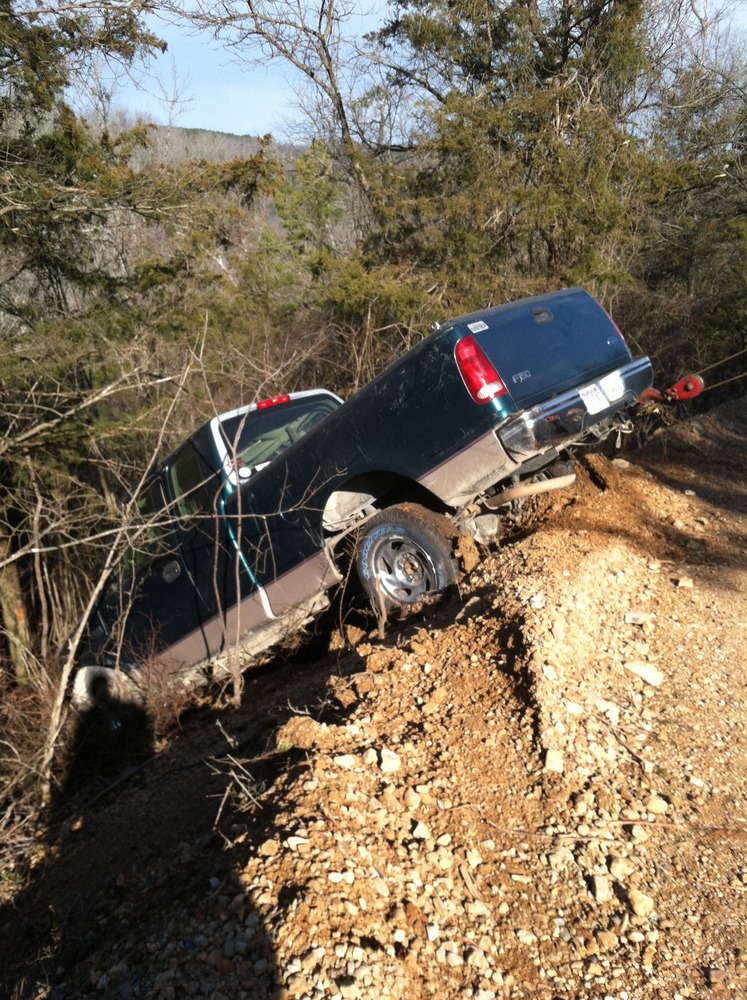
<point x="538" y="788"/>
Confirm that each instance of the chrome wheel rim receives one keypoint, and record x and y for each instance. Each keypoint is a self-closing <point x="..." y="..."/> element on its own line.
<point x="404" y="571"/>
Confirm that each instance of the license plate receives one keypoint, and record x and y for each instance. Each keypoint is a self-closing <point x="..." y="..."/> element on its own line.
<point x="594" y="399"/>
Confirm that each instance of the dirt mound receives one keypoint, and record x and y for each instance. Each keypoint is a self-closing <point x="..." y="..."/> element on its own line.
<point x="537" y="788"/>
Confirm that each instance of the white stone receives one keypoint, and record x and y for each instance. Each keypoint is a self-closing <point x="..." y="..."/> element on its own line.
<point x="390" y="761"/>
<point x="379" y="885"/>
<point x="560" y="858"/>
<point x="656" y="804"/>
<point x="646" y="671"/>
<point x="621" y="868"/>
<point x="411" y="798"/>
<point x="637" y="617"/>
<point x="602" y="889"/>
<point x="554" y="761"/>
<point x="641" y="904"/>
<point x="295" y="842"/>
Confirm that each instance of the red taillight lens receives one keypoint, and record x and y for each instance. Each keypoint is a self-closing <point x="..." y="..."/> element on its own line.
<point x="481" y="379"/>
<point x="263" y="404"/>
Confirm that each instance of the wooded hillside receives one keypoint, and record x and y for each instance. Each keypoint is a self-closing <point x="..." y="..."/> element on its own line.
<point x="462" y="156"/>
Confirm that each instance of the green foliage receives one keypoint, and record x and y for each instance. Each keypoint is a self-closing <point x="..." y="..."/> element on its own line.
<point x="354" y="291"/>
<point x="56" y="182"/>
<point x="536" y="164"/>
<point x="557" y="203"/>
<point x="522" y="173"/>
<point x="33" y="67"/>
<point x="310" y="204"/>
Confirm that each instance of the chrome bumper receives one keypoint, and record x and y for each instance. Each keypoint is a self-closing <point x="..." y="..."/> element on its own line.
<point x="568" y="417"/>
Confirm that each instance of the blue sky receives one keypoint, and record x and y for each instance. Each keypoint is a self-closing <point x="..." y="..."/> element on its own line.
<point x="214" y="92"/>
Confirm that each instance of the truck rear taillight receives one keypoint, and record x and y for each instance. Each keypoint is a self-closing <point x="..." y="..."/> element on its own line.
<point x="482" y="380"/>
<point x="263" y="404"/>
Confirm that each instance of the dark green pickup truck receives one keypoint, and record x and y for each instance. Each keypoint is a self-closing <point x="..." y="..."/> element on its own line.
<point x="252" y="523"/>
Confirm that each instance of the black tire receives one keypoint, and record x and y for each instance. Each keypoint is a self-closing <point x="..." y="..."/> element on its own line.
<point x="405" y="554"/>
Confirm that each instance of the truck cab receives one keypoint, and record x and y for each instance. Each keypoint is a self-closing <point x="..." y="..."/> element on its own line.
<point x="182" y="570"/>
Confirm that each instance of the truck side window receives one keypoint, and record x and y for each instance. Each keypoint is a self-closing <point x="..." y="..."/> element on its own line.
<point x="190" y="484"/>
<point x="253" y="439"/>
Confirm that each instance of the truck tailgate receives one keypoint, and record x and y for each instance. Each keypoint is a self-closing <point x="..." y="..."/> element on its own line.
<point x="547" y="344"/>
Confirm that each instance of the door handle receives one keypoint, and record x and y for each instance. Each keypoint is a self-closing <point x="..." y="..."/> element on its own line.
<point x="171" y="571"/>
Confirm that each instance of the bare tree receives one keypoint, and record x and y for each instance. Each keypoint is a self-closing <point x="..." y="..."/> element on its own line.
<point x="316" y="39"/>
<point x="115" y="549"/>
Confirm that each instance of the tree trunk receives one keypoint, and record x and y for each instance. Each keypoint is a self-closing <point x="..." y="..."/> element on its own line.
<point x="13" y="617"/>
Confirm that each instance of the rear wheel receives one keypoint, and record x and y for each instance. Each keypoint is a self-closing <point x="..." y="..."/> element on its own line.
<point x="405" y="554"/>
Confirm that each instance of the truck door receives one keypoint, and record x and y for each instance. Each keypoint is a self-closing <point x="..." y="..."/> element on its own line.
<point x="208" y="557"/>
<point x="151" y="601"/>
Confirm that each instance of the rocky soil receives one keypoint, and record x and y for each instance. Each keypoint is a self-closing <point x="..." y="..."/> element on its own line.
<point x="537" y="788"/>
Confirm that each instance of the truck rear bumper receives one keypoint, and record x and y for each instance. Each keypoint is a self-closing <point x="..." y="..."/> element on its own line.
<point x="570" y="415"/>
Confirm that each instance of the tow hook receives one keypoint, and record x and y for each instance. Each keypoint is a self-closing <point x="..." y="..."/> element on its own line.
<point x="687" y="388"/>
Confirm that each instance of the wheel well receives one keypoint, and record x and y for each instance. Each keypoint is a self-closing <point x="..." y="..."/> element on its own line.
<point x="375" y="491"/>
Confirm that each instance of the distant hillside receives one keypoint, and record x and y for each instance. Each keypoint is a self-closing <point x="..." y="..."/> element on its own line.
<point x="176" y="146"/>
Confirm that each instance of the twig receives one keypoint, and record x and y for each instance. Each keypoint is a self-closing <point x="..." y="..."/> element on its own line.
<point x="662" y="824"/>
